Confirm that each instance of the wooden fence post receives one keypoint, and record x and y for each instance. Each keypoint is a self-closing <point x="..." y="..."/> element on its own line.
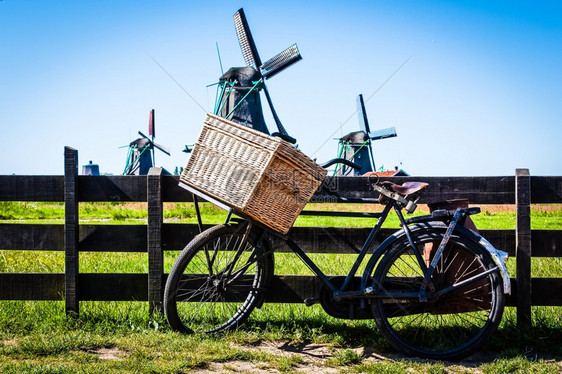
<point x="523" y="246"/>
<point x="154" y="239"/>
<point x="71" y="228"/>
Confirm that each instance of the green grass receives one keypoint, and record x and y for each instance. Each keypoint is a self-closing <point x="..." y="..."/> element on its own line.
<point x="543" y="216"/>
<point x="345" y="357"/>
<point x="37" y="337"/>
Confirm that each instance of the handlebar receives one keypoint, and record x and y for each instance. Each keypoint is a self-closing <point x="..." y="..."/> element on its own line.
<point x="341" y="161"/>
<point x="285" y="137"/>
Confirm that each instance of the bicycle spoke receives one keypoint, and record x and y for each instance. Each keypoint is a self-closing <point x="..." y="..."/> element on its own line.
<point x="200" y="294"/>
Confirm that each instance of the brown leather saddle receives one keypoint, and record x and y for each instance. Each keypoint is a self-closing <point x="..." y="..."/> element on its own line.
<point x="406" y="188"/>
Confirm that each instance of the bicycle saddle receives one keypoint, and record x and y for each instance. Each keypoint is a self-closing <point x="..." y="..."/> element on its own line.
<point x="407" y="188"/>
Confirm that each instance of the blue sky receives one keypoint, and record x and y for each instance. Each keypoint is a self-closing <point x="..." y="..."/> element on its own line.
<point x="481" y="94"/>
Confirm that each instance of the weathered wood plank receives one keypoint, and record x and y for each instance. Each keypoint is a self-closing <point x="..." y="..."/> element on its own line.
<point x="113" y="238"/>
<point x="293" y="288"/>
<point x="322" y="239"/>
<point x="311" y="239"/>
<point x="128" y="287"/>
<point x="503" y="240"/>
<point x="133" y="238"/>
<point x="154" y="239"/>
<point x="546" y="190"/>
<point x="296" y="288"/>
<point x="511" y="300"/>
<point x="546" y="291"/>
<point x="32" y="286"/>
<point x="38" y="237"/>
<point x="175" y="236"/>
<point x="172" y="192"/>
<point x="331" y="239"/>
<point x="113" y="287"/>
<point x="523" y="246"/>
<point x="31" y="188"/>
<point x="112" y="188"/>
<point x="478" y="190"/>
<point x="546" y="243"/>
<point x="71" y="230"/>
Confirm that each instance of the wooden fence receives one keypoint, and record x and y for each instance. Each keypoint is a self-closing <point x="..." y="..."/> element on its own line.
<point x="157" y="236"/>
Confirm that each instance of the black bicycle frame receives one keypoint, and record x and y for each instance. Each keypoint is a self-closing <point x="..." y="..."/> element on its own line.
<point x="341" y="293"/>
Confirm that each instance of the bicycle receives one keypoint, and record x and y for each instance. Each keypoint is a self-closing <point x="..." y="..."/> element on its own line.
<point x="434" y="288"/>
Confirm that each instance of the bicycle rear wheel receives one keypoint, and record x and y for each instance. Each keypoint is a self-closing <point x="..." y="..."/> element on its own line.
<point x="217" y="280"/>
<point x="446" y="327"/>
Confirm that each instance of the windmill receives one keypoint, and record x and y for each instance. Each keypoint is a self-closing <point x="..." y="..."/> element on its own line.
<point x="238" y="95"/>
<point x="141" y="157"/>
<point x="357" y="146"/>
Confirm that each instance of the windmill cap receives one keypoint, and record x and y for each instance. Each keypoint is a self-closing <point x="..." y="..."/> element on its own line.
<point x="244" y="76"/>
<point x="356" y="137"/>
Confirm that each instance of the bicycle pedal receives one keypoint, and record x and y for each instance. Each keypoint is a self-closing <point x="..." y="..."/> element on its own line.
<point x="311" y="301"/>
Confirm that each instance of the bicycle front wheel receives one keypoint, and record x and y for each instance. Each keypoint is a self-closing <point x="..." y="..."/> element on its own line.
<point x="451" y="324"/>
<point x="217" y="280"/>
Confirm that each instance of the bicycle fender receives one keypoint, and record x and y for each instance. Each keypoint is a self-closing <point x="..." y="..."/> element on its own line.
<point x="499" y="257"/>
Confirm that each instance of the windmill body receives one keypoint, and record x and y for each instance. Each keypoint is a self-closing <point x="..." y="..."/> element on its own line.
<point x="140" y="157"/>
<point x="357" y="145"/>
<point x="238" y="96"/>
<point x="238" y="90"/>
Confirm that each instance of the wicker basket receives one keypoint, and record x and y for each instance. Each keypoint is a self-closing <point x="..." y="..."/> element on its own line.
<point x="261" y="176"/>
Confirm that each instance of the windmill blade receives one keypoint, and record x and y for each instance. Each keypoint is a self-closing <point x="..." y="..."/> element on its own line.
<point x="151" y="124"/>
<point x="144" y="136"/>
<point x="383" y="133"/>
<point x="362" y="115"/>
<point x="166" y="150"/>
<point x="281" y="61"/>
<point x="246" y="40"/>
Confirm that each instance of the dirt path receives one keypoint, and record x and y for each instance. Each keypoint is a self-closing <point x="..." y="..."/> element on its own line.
<point x="314" y="358"/>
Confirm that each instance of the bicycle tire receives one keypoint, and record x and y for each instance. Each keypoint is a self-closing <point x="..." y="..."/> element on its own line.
<point x="448" y="327"/>
<point x="202" y="296"/>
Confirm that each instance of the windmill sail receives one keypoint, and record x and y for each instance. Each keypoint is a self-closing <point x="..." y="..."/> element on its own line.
<point x="246" y="40"/>
<point x="280" y="62"/>
<point x="151" y="129"/>
<point x="383" y="133"/>
<point x="141" y="155"/>
<point x="272" y="67"/>
<point x="362" y="115"/>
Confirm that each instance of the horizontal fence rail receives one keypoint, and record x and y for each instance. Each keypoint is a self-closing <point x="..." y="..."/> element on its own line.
<point x="157" y="236"/>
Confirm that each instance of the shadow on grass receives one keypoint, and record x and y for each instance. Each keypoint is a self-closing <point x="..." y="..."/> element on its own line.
<point x="299" y="333"/>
